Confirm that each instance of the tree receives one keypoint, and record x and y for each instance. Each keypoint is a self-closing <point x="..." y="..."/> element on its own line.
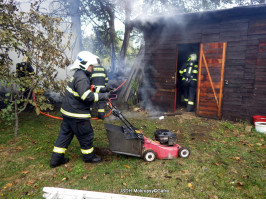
<point x="66" y="9"/>
<point x="127" y="7"/>
<point x="101" y="13"/>
<point x="38" y="37"/>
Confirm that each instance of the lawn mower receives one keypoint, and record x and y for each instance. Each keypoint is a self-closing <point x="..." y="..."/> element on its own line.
<point x="128" y="140"/>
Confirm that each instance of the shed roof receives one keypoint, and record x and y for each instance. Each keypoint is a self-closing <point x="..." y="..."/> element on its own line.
<point x="201" y="17"/>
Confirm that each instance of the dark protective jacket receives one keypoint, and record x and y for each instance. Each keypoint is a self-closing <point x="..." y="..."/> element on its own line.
<point x="189" y="71"/>
<point x="189" y="74"/>
<point x="78" y="96"/>
<point x="99" y="77"/>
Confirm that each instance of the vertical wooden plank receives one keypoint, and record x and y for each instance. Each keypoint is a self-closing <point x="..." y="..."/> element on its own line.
<point x="199" y="78"/>
<point x="176" y="72"/>
<point x="222" y="81"/>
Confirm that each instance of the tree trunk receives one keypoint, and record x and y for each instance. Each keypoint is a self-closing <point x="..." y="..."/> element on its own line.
<point x="112" y="38"/>
<point x="123" y="52"/>
<point x="76" y="45"/>
<point x="16" y="119"/>
<point x="128" y="29"/>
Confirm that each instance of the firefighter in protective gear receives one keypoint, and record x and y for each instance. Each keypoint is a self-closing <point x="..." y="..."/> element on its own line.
<point x="24" y="68"/>
<point x="189" y="74"/>
<point x="99" y="80"/>
<point x="25" y="71"/>
<point x="76" y="112"/>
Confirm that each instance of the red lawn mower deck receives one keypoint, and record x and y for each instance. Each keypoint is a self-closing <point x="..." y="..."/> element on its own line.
<point x="128" y="140"/>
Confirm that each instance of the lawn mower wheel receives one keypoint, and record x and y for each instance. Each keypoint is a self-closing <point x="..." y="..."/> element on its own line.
<point x="183" y="152"/>
<point x="149" y="156"/>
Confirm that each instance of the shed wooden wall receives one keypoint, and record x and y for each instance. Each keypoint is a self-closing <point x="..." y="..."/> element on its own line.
<point x="160" y="60"/>
<point x="245" y="67"/>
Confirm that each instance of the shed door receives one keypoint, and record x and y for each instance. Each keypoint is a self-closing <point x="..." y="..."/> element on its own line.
<point x="210" y="79"/>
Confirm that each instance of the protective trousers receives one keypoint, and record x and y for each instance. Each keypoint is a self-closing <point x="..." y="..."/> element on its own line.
<point x="190" y="87"/>
<point x="101" y="112"/>
<point x="82" y="129"/>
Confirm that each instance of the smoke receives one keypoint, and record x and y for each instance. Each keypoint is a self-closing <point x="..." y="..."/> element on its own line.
<point x="54" y="98"/>
<point x="147" y="91"/>
<point x="148" y="12"/>
<point x="147" y="15"/>
<point x="149" y="21"/>
<point x="161" y="26"/>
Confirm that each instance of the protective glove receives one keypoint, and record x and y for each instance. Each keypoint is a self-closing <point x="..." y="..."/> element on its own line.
<point x="109" y="89"/>
<point x="104" y="96"/>
<point x="106" y="89"/>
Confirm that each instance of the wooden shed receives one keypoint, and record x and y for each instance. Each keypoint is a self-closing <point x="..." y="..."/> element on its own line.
<point x="231" y="48"/>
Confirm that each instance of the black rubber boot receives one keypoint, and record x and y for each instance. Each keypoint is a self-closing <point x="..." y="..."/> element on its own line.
<point x="190" y="108"/>
<point x="58" y="159"/>
<point x="92" y="158"/>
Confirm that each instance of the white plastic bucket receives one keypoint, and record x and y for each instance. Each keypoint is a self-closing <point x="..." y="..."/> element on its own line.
<point x="260" y="127"/>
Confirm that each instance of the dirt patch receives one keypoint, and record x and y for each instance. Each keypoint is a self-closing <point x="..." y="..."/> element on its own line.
<point x="197" y="129"/>
<point x="200" y="133"/>
<point x="199" y="137"/>
<point x="181" y="113"/>
<point x="103" y="151"/>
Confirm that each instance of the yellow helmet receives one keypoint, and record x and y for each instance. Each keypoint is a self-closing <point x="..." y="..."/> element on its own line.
<point x="193" y="57"/>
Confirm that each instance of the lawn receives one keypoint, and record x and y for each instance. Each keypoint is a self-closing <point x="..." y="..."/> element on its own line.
<point x="226" y="161"/>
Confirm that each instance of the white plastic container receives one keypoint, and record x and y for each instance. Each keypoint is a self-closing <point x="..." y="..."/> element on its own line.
<point x="260" y="127"/>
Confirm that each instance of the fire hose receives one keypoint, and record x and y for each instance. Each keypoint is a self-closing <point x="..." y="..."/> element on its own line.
<point x="54" y="117"/>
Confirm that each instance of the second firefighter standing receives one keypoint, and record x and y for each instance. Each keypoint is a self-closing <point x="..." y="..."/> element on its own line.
<point x="189" y="74"/>
<point x="99" y="80"/>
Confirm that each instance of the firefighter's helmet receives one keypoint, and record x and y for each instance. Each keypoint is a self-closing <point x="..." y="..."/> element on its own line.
<point x="25" y="59"/>
<point x="193" y="57"/>
<point x="84" y="60"/>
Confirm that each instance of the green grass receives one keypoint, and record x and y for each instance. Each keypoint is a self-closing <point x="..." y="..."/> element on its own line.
<point x="225" y="162"/>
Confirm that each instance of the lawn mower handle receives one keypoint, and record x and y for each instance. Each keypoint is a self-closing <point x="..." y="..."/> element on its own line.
<point x="120" y="116"/>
